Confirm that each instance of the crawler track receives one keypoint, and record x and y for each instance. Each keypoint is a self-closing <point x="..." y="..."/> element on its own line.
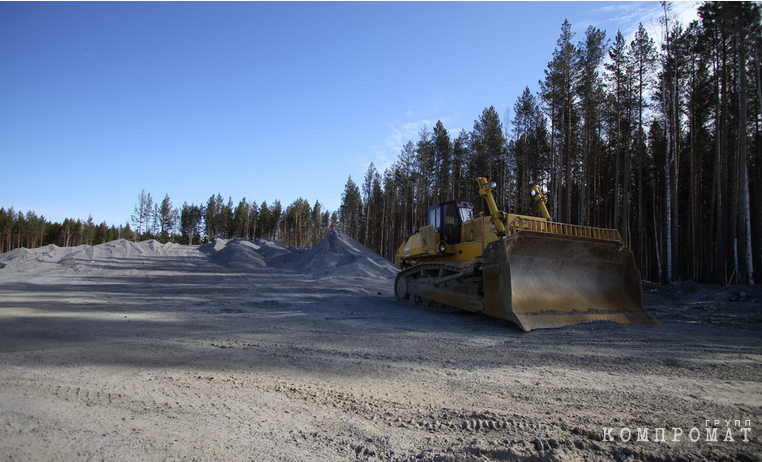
<point x="425" y="271"/>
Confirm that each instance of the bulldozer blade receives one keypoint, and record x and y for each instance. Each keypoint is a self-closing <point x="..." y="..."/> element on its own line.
<point x="542" y="280"/>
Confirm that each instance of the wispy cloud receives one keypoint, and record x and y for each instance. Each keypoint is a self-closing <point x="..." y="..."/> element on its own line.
<point x="401" y="133"/>
<point x="383" y="155"/>
<point x="650" y="14"/>
<point x="626" y="13"/>
<point x="627" y="16"/>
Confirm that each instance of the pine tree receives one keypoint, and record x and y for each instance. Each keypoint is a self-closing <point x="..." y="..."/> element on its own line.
<point x="558" y="93"/>
<point x="142" y="214"/>
<point x="350" y="213"/>
<point x="241" y="217"/>
<point x="442" y="150"/>
<point x="264" y="222"/>
<point x="166" y="218"/>
<point x="589" y="88"/>
<point x="643" y="56"/>
<point x="529" y="152"/>
<point x="488" y="153"/>
<point x="190" y="222"/>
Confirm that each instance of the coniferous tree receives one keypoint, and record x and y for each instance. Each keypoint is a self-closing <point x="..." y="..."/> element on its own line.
<point x="529" y="149"/>
<point x="264" y="222"/>
<point x="488" y="152"/>
<point x="442" y="150"/>
<point x="317" y="224"/>
<point x="643" y="56"/>
<point x="558" y="94"/>
<point x="350" y="212"/>
<point x="190" y="223"/>
<point x="142" y="214"/>
<point x="253" y="220"/>
<point x="589" y="87"/>
<point x="211" y="217"/>
<point x="241" y="218"/>
<point x="620" y="122"/>
<point x="166" y="218"/>
<point x="425" y="163"/>
<point x="276" y="215"/>
<point x="460" y="155"/>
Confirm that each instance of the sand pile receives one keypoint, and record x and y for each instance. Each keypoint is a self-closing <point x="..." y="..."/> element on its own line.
<point x="18" y="256"/>
<point x="275" y="252"/>
<point x="70" y="256"/>
<point x="235" y="253"/>
<point x="49" y="253"/>
<point x="341" y="256"/>
<point x="121" y="248"/>
<point x="337" y="255"/>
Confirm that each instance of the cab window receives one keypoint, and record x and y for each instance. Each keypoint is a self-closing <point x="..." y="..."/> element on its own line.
<point x="435" y="218"/>
<point x="451" y="215"/>
<point x="451" y="224"/>
<point x="466" y="214"/>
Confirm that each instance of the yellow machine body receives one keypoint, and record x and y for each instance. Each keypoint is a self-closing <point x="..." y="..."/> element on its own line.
<point x="529" y="270"/>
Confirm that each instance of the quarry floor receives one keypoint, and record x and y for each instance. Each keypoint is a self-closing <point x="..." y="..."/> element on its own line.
<point x="169" y="353"/>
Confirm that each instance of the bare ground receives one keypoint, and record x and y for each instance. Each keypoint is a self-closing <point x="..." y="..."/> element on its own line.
<point x="177" y="355"/>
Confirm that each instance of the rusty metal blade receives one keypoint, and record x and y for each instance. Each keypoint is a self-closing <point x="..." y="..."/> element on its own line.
<point x="543" y="280"/>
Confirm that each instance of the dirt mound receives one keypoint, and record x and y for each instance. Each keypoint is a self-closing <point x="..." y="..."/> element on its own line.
<point x="234" y="253"/>
<point x="50" y="253"/>
<point x="120" y="248"/>
<point x="341" y="256"/>
<point x="337" y="255"/>
<point x="210" y="248"/>
<point x="275" y="252"/>
<point x="16" y="256"/>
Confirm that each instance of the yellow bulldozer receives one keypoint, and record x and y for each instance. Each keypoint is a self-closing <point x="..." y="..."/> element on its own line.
<point x="528" y="270"/>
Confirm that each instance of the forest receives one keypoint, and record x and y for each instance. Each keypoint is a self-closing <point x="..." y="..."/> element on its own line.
<point x="660" y="141"/>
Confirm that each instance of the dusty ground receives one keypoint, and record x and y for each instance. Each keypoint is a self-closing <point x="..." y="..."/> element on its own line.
<point x="148" y="352"/>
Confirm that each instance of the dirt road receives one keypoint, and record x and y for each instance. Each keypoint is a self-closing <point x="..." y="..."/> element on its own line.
<point x="170" y="353"/>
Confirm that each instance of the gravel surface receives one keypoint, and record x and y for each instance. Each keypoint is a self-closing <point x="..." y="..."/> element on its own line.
<point x="257" y="351"/>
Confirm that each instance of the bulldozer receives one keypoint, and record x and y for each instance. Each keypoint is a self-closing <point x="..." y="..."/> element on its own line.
<point x="529" y="270"/>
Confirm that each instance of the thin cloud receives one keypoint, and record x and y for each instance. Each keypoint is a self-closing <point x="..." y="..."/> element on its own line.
<point x="626" y="17"/>
<point x="401" y="133"/>
<point x="625" y="12"/>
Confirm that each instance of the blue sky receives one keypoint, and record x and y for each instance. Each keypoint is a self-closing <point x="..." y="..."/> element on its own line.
<point x="99" y="101"/>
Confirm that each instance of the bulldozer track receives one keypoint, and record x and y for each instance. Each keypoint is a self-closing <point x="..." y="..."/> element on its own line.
<point x="421" y="271"/>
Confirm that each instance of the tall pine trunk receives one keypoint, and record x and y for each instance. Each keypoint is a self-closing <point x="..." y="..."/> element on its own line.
<point x="745" y="211"/>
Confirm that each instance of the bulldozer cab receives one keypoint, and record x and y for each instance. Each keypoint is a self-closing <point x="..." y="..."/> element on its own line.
<point x="447" y="218"/>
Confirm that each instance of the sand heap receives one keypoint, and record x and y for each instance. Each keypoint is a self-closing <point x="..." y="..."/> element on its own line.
<point x="120" y="248"/>
<point x="337" y="255"/>
<point x="235" y="253"/>
<point x="276" y="253"/>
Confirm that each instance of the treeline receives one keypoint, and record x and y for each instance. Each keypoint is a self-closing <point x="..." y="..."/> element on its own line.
<point x="18" y="229"/>
<point x="663" y="143"/>
<point x="299" y="224"/>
